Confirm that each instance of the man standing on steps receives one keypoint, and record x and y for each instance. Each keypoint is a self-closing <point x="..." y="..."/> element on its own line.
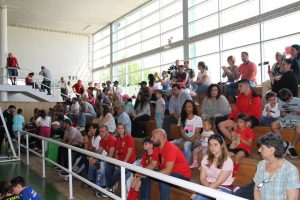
<point x="46" y="83"/>
<point x="13" y="66"/>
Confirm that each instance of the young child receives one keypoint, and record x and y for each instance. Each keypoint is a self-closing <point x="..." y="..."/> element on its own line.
<point x="241" y="143"/>
<point x="25" y="192"/>
<point x="18" y="123"/>
<point x="271" y="112"/>
<point x="208" y="124"/>
<point x="159" y="109"/>
<point x="151" y="154"/>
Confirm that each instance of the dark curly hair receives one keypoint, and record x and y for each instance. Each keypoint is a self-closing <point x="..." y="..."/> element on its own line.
<point x="184" y="115"/>
<point x="208" y="91"/>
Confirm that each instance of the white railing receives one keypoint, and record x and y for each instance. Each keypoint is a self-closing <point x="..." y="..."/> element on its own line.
<point x="123" y="165"/>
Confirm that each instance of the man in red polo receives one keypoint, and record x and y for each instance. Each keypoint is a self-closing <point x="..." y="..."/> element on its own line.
<point x="247" y="70"/>
<point x="172" y="161"/>
<point x="248" y="102"/>
<point x="12" y="68"/>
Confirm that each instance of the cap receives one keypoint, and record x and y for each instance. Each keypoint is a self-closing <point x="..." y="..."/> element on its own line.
<point x="55" y="123"/>
<point x="143" y="83"/>
<point x="126" y="96"/>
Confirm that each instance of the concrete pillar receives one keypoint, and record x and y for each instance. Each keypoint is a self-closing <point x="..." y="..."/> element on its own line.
<point x="185" y="15"/>
<point x="3" y="49"/>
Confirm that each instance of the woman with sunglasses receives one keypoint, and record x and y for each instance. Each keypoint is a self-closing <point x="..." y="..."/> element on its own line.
<point x="216" y="168"/>
<point x="275" y="178"/>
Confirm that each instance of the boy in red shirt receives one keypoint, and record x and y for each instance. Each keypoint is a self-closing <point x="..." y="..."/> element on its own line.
<point x="149" y="160"/>
<point x="241" y="143"/>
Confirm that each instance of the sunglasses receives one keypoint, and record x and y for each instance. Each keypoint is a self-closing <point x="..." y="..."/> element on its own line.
<point x="263" y="183"/>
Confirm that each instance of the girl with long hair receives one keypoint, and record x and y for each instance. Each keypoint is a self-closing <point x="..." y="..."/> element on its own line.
<point x="107" y="119"/>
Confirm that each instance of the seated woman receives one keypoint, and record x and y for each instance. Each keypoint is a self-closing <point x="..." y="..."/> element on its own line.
<point x="142" y="114"/>
<point x="275" y="178"/>
<point x="288" y="79"/>
<point x="274" y="73"/>
<point x="107" y="119"/>
<point x="190" y="125"/>
<point x="203" y="80"/>
<point x="215" y="104"/>
<point x="230" y="72"/>
<point x="216" y="168"/>
<point x="165" y="81"/>
<point x="127" y="101"/>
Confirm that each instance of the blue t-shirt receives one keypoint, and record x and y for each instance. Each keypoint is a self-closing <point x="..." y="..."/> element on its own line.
<point x="124" y="119"/>
<point x="18" y="121"/>
<point x="293" y="105"/>
<point x="30" y="194"/>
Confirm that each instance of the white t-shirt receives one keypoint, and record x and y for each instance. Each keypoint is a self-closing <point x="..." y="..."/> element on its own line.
<point x="274" y="112"/>
<point x="159" y="105"/>
<point x="75" y="107"/>
<point x="43" y="122"/>
<point x="191" y="125"/>
<point x="96" y="144"/>
<point x="111" y="124"/>
<point x="206" y="134"/>
<point x="200" y="75"/>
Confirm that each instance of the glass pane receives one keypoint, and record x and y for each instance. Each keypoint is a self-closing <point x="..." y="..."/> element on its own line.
<point x="101" y="75"/>
<point x="241" y="12"/>
<point x="241" y="37"/>
<point x="165" y="2"/>
<point x="268" y="5"/>
<point x="133" y="50"/>
<point x="150" y="71"/>
<point x="106" y="60"/>
<point x="119" y="55"/>
<point x="151" y="61"/>
<point x="118" y="35"/>
<point x="133" y="28"/>
<point x="204" y="47"/>
<point x="151" y="31"/>
<point x="172" y="9"/>
<point x="134" y="16"/>
<point x="203" y="9"/>
<point x="194" y="2"/>
<point x="149" y="8"/>
<point x="174" y="36"/>
<point x="134" y="66"/>
<point x="151" y="44"/>
<point x="171" y="55"/>
<point x="119" y="70"/>
<point x="119" y="45"/>
<point x="204" y="25"/>
<point x="151" y="19"/>
<point x="278" y="27"/>
<point x="118" y="25"/>
<point x="171" y="23"/>
<point x="133" y="39"/>
<point x="225" y="3"/>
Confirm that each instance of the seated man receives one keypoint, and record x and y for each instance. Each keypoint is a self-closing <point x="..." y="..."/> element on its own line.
<point x="173" y="162"/>
<point x="182" y="78"/>
<point x="29" y="80"/>
<point x="289" y="107"/>
<point x="248" y="102"/>
<point x="86" y="112"/>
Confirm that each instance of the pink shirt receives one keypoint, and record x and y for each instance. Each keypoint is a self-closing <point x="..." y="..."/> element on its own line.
<point x="213" y="172"/>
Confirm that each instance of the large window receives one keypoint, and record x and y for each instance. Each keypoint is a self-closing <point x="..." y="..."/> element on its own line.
<point x="101" y="48"/>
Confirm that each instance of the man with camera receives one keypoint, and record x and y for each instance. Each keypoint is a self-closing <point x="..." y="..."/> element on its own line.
<point x="182" y="78"/>
<point x="189" y="71"/>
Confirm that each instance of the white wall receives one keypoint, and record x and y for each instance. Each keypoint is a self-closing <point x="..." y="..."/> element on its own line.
<point x="64" y="54"/>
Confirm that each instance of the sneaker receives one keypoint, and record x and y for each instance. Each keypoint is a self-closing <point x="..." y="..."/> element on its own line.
<point x="286" y="148"/>
<point x="111" y="190"/>
<point x="235" y="189"/>
<point x="292" y="152"/>
<point x="194" y="165"/>
<point x="63" y="173"/>
<point x="100" y="194"/>
<point x="59" y="169"/>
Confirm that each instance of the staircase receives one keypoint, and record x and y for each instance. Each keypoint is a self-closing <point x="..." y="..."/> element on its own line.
<point x="32" y="93"/>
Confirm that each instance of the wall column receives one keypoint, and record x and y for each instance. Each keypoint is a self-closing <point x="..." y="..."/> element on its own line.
<point x="3" y="49"/>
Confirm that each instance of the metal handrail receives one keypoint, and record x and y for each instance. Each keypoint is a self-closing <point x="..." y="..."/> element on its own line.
<point x="219" y="195"/>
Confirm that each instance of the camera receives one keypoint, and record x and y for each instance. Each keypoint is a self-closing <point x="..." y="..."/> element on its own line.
<point x="172" y="70"/>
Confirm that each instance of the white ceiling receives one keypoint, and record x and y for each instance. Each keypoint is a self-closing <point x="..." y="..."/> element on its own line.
<point x="68" y="15"/>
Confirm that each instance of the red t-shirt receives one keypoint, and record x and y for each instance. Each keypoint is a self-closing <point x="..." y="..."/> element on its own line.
<point x="122" y="146"/>
<point x="146" y="158"/>
<point x="171" y="153"/>
<point x="246" y="134"/>
<point x="245" y="68"/>
<point x="77" y="87"/>
<point x="251" y="105"/>
<point x="108" y="143"/>
<point x="12" y="62"/>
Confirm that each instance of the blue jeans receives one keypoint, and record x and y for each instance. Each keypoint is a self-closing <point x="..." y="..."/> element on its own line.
<point x="199" y="89"/>
<point x="158" y="120"/>
<point x="165" y="187"/>
<point x="267" y="121"/>
<point x="145" y="191"/>
<point x="82" y="118"/>
<point x="204" y="197"/>
<point x="92" y="173"/>
<point x="113" y="174"/>
<point x="187" y="148"/>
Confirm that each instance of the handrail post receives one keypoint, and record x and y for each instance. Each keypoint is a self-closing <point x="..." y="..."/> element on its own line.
<point x="123" y="184"/>
<point x="27" y="149"/>
<point x="70" y="175"/>
<point x="19" y="142"/>
<point x="43" y="155"/>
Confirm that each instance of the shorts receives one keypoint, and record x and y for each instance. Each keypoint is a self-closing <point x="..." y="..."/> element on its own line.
<point x="288" y="123"/>
<point x="12" y="72"/>
<point x="235" y="151"/>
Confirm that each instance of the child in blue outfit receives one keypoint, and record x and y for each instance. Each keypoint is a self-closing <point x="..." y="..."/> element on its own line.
<point x="18" y="122"/>
<point x="25" y="192"/>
